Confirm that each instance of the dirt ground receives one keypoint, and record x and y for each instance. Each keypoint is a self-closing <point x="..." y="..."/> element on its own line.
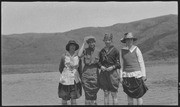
<point x="41" y="88"/>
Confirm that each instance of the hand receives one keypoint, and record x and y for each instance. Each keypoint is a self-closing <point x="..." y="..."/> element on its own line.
<point x="103" y="68"/>
<point x="144" y="78"/>
<point x="110" y="68"/>
<point x="61" y="80"/>
<point x="121" y="80"/>
<point x="85" y="39"/>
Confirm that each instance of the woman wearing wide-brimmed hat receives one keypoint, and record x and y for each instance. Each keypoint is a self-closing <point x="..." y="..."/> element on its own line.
<point x="132" y="72"/>
<point x="70" y="70"/>
<point x="90" y="72"/>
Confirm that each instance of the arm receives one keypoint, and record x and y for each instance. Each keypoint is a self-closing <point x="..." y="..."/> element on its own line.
<point x="80" y="68"/>
<point x="121" y="69"/>
<point x="61" y="65"/>
<point x="121" y="60"/>
<point x="117" y="65"/>
<point x="141" y="62"/>
<point x="80" y="53"/>
<point x="100" y="59"/>
<point x="103" y="68"/>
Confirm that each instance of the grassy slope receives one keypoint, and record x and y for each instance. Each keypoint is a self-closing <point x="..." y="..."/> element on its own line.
<point x="157" y="38"/>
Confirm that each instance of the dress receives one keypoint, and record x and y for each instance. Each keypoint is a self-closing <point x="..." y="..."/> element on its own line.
<point x="70" y="70"/>
<point x="90" y="73"/>
<point x="133" y="69"/>
<point x="109" y="80"/>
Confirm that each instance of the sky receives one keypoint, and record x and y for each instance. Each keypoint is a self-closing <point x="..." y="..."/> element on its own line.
<point x="53" y="17"/>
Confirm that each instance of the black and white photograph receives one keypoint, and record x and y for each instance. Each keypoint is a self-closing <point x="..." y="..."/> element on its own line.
<point x="89" y="53"/>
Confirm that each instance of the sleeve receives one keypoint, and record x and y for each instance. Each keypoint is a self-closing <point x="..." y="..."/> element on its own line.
<point x="61" y="65"/>
<point x="141" y="61"/>
<point x="100" y="59"/>
<point x="121" y="60"/>
<point x="117" y="64"/>
<point x="81" y="51"/>
<point x="80" y="68"/>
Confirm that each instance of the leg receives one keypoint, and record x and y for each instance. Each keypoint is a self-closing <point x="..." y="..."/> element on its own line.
<point x="73" y="101"/>
<point x="106" y="97"/>
<point x="139" y="101"/>
<point x="64" y="102"/>
<point x="93" y="102"/>
<point x="130" y="100"/>
<point x="114" y="98"/>
<point x="87" y="102"/>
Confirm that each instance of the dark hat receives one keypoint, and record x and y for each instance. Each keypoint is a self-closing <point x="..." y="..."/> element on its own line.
<point x="91" y="38"/>
<point x="108" y="36"/>
<point x="72" y="42"/>
<point x="128" y="36"/>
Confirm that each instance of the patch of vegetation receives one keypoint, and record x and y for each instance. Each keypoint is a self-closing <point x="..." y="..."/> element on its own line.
<point x="165" y="82"/>
<point x="159" y="55"/>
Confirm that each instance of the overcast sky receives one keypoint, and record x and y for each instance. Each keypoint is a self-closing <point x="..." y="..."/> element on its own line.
<point x="51" y="17"/>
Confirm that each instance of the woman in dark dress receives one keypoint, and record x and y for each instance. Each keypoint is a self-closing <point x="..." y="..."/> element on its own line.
<point x="90" y="72"/>
<point x="109" y="64"/>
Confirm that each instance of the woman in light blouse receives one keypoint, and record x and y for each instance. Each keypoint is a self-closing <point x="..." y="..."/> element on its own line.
<point x="132" y="72"/>
<point x="70" y="72"/>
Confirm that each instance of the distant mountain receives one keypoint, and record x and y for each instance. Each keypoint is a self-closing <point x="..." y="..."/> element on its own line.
<point x="157" y="39"/>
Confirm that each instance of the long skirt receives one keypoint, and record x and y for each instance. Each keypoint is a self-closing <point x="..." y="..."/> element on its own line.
<point x="109" y="80"/>
<point x="90" y="81"/>
<point x="67" y="92"/>
<point x="134" y="87"/>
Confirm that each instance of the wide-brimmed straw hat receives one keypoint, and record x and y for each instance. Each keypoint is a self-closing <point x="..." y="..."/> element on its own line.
<point x="72" y="42"/>
<point x="128" y="36"/>
<point x="91" y="38"/>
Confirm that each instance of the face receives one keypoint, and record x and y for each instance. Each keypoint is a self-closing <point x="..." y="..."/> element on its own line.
<point x="108" y="42"/>
<point x="91" y="44"/>
<point x="129" y="42"/>
<point x="72" y="47"/>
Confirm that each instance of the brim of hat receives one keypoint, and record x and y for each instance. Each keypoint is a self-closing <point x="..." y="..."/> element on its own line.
<point x="123" y="40"/>
<point x="67" y="46"/>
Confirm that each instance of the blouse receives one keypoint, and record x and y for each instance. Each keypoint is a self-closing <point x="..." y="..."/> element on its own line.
<point x="136" y="74"/>
<point x="70" y="69"/>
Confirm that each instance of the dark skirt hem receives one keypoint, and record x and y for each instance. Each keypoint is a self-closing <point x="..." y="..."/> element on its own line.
<point x="134" y="87"/>
<point x="67" y="92"/>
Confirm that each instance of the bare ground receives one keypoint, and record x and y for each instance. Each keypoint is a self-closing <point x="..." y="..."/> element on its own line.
<point x="41" y="88"/>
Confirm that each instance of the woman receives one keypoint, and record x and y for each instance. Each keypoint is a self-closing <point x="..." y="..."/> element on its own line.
<point x="90" y="70"/>
<point x="70" y="70"/>
<point x="132" y="72"/>
<point x="110" y="65"/>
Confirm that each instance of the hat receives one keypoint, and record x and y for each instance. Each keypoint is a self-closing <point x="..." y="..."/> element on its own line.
<point x="72" y="42"/>
<point x="91" y="38"/>
<point x="108" y="36"/>
<point x="128" y="36"/>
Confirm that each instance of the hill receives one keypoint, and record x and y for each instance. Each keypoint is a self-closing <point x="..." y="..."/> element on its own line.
<point x="157" y="39"/>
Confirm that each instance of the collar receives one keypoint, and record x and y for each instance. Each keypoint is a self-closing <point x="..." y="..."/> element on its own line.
<point x="109" y="47"/>
<point x="131" y="49"/>
<point x="68" y="54"/>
